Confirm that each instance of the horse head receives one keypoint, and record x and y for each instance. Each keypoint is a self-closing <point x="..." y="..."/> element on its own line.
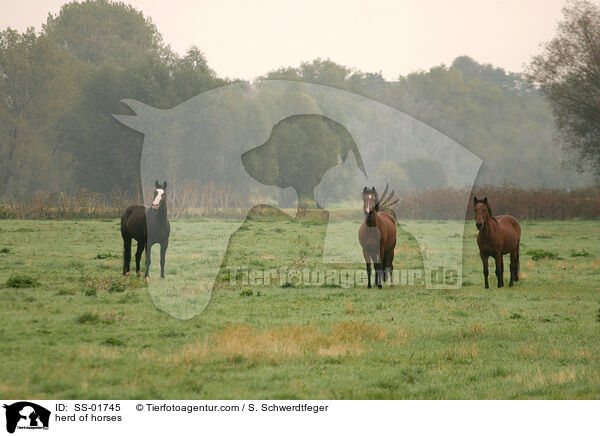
<point x="370" y="201"/>
<point x="160" y="195"/>
<point x="483" y="211"/>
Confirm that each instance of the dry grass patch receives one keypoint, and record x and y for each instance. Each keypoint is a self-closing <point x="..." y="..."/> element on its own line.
<point x="400" y="337"/>
<point x="96" y="351"/>
<point x="348" y="307"/>
<point x="581" y="354"/>
<point x="530" y="350"/>
<point x="472" y="331"/>
<point x="11" y="391"/>
<point x="462" y="353"/>
<point x="237" y="344"/>
<point x="540" y="379"/>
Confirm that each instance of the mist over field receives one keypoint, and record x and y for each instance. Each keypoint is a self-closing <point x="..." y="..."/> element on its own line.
<point x="62" y="82"/>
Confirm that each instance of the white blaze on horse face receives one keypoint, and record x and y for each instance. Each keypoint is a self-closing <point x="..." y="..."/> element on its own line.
<point x="159" y="194"/>
<point x="370" y="198"/>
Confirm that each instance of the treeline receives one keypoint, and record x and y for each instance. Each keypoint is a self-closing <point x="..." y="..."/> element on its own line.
<point x="59" y="87"/>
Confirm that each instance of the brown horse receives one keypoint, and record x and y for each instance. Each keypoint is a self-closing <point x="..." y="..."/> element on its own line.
<point x="497" y="236"/>
<point x="377" y="236"/>
<point x="148" y="226"/>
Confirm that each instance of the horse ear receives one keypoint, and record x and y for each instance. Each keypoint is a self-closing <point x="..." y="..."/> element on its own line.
<point x="475" y="200"/>
<point x="165" y="185"/>
<point x="485" y="200"/>
<point x="365" y="190"/>
<point x="156" y="185"/>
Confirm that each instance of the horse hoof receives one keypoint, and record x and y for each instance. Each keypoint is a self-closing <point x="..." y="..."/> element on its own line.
<point x="369" y="287"/>
<point x="379" y="286"/>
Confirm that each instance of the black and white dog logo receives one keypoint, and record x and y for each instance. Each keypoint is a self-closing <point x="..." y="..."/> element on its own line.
<point x="26" y="415"/>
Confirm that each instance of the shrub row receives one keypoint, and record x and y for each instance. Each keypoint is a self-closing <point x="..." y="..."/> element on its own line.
<point x="219" y="201"/>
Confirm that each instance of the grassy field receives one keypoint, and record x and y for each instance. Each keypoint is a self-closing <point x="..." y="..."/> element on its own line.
<point x="71" y="327"/>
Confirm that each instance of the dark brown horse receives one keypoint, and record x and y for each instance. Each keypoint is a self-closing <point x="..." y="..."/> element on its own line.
<point x="148" y="226"/>
<point x="377" y="236"/>
<point x="497" y="236"/>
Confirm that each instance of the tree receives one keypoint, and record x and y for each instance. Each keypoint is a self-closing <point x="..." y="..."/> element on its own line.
<point x="425" y="174"/>
<point x="104" y="33"/>
<point x="568" y="73"/>
<point x="36" y="88"/>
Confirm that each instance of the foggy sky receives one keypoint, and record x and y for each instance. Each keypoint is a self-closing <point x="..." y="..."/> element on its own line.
<point x="245" y="39"/>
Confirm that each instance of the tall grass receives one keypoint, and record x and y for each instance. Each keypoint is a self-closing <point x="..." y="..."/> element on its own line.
<point x="192" y="200"/>
<point x="557" y="204"/>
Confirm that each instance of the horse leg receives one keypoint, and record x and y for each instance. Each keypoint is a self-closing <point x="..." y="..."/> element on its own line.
<point x="517" y="265"/>
<point x="148" y="258"/>
<point x="389" y="265"/>
<point x="378" y="262"/>
<point x="499" y="269"/>
<point x="163" y="252"/>
<point x="384" y="264"/>
<point x="126" y="254"/>
<point x="368" y="262"/>
<point x="138" y="256"/>
<point x="486" y="271"/>
<point x="513" y="267"/>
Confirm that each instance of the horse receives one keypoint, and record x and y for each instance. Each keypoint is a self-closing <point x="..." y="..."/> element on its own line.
<point x="377" y="235"/>
<point x="148" y="226"/>
<point x="497" y="236"/>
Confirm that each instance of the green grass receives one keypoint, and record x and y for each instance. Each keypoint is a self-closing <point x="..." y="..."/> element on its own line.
<point x="86" y="332"/>
<point x="542" y="254"/>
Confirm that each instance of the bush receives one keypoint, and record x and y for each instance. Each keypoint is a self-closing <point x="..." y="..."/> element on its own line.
<point x="106" y="255"/>
<point x="116" y="287"/>
<point x="90" y="292"/>
<point x="87" y="318"/>
<point x="194" y="200"/>
<point x="15" y="281"/>
<point x="542" y="254"/>
<point x="113" y="342"/>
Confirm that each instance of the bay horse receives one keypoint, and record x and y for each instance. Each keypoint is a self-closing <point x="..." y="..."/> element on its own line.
<point x="497" y="236"/>
<point x="377" y="235"/>
<point x="148" y="226"/>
